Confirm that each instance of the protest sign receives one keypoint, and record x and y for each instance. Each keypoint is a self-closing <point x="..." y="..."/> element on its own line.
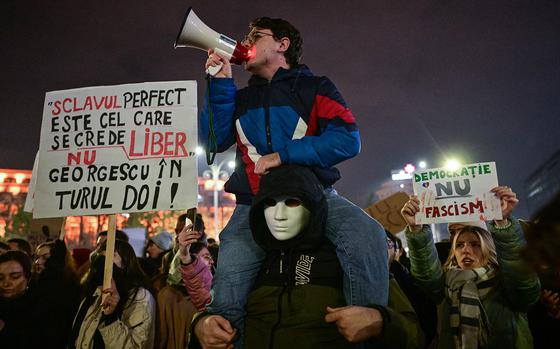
<point x="116" y="149"/>
<point x="388" y="212"/>
<point x="457" y="195"/>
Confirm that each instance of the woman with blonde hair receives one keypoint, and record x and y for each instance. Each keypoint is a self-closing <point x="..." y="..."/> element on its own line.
<point x="484" y="289"/>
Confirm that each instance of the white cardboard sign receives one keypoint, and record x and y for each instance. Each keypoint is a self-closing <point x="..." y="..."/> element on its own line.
<point x="461" y="195"/>
<point x="115" y="149"/>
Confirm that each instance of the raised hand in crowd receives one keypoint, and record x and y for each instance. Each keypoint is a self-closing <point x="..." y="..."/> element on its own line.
<point x="508" y="201"/>
<point x="215" y="332"/>
<point x="186" y="238"/>
<point x="111" y="300"/>
<point x="355" y="323"/>
<point x="409" y="211"/>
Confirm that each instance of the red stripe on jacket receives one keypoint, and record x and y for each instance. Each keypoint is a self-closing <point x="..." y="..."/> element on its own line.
<point x="249" y="166"/>
<point x="327" y="108"/>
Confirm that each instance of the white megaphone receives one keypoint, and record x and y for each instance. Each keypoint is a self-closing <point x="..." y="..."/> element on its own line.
<point x="194" y="33"/>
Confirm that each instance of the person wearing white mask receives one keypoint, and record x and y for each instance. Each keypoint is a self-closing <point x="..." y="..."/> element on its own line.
<point x="300" y="281"/>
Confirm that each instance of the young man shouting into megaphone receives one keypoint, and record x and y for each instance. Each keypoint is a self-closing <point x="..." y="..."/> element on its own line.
<point x="286" y="115"/>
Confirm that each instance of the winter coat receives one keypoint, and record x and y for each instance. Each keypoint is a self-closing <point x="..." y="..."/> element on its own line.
<point x="134" y="329"/>
<point x="175" y="313"/>
<point x="188" y="289"/>
<point x="15" y="331"/>
<point x="505" y="306"/>
<point x="43" y="315"/>
<point x="198" y="281"/>
<point x="300" y="276"/>
<point x="301" y="116"/>
<point x="55" y="298"/>
<point x="401" y="326"/>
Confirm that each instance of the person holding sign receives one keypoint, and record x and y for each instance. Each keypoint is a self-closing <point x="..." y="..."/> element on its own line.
<point x="484" y="289"/>
<point x="126" y="319"/>
<point x="286" y="116"/>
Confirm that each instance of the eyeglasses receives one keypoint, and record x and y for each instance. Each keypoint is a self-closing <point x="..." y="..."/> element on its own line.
<point x="252" y="37"/>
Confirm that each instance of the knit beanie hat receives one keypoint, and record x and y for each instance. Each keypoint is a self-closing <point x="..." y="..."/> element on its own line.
<point x="163" y="240"/>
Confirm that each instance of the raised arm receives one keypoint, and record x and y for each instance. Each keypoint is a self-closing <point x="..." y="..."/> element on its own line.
<point x="220" y="92"/>
<point x="198" y="281"/>
<point x="520" y="283"/>
<point x="424" y="261"/>
<point x="332" y="135"/>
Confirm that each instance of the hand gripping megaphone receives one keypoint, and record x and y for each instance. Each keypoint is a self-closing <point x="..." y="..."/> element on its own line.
<point x="194" y="33"/>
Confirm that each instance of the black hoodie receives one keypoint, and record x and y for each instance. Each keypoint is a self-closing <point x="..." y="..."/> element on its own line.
<point x="301" y="276"/>
<point x="309" y="257"/>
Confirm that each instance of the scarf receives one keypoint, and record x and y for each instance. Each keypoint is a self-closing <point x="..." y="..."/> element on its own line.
<point x="466" y="289"/>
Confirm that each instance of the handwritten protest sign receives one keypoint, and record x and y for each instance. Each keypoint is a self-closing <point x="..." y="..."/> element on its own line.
<point x="457" y="195"/>
<point x="115" y="149"/>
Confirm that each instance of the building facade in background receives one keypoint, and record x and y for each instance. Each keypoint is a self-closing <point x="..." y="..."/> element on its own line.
<point x="543" y="184"/>
<point x="82" y="231"/>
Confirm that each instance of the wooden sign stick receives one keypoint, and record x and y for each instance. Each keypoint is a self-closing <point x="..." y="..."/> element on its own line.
<point x="109" y="253"/>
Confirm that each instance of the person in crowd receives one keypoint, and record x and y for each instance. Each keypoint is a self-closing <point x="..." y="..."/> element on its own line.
<point x="196" y="268"/>
<point x="394" y="326"/>
<point x="125" y="318"/>
<point x="175" y="308"/>
<point x="157" y="246"/>
<point x="4" y="247"/>
<point x="18" y="244"/>
<point x="484" y="290"/>
<point x="55" y="292"/>
<point x="422" y="304"/>
<point x="301" y="278"/>
<point x="169" y="260"/>
<point x="15" y="274"/>
<point x="400" y="253"/>
<point x="214" y="248"/>
<point x="83" y="270"/>
<point x="285" y="116"/>
<point x="301" y="274"/>
<point x="102" y="237"/>
<point x="542" y="251"/>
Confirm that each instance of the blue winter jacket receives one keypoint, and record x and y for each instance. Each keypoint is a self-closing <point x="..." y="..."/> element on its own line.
<point x="301" y="116"/>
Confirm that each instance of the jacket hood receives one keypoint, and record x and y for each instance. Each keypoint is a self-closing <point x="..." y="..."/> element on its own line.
<point x="283" y="74"/>
<point x="297" y="181"/>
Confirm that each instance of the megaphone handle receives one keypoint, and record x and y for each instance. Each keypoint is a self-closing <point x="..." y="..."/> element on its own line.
<point x="214" y="70"/>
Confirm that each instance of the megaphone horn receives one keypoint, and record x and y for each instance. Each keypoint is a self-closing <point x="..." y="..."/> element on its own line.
<point x="194" y="33"/>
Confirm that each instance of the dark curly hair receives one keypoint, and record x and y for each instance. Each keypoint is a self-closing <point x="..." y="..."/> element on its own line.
<point x="282" y="29"/>
<point x="18" y="256"/>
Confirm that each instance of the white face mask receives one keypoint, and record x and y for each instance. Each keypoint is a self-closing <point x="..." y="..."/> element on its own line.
<point x="285" y="216"/>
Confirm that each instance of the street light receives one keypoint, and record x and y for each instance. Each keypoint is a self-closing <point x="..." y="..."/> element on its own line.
<point x="452" y="164"/>
<point x="216" y="173"/>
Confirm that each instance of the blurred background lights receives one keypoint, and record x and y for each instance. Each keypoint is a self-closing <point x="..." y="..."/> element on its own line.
<point x="452" y="164"/>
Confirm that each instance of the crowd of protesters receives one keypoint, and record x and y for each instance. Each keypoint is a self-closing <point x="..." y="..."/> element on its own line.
<point x="498" y="287"/>
<point x="299" y="265"/>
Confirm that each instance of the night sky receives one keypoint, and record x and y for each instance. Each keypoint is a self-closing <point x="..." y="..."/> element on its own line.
<point x="478" y="80"/>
